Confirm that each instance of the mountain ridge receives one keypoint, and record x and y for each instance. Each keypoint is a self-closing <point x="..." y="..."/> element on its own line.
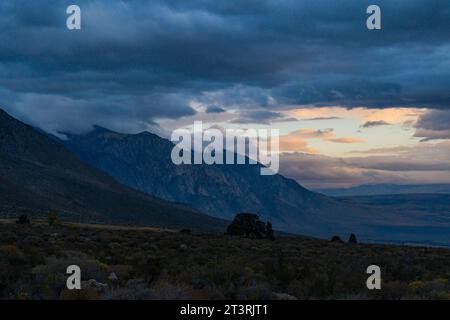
<point x="142" y="161"/>
<point x="39" y="175"/>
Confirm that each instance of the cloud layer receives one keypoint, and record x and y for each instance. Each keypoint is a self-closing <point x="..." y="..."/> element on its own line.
<point x="434" y="125"/>
<point x="391" y="165"/>
<point x="137" y="61"/>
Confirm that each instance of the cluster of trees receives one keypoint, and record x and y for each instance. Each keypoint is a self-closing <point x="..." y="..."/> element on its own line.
<point x="52" y="219"/>
<point x="249" y="225"/>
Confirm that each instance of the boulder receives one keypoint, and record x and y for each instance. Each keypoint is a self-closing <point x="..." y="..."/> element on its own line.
<point x="94" y="284"/>
<point x="336" y="239"/>
<point x="283" y="296"/>
<point x="112" y="277"/>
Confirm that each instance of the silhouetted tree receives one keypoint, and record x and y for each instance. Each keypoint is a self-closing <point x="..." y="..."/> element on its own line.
<point x="352" y="239"/>
<point x="248" y="225"/>
<point x="52" y="219"/>
<point x="23" y="219"/>
<point x="269" y="231"/>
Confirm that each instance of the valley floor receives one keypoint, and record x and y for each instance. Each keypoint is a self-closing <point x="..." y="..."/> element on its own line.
<point x="147" y="263"/>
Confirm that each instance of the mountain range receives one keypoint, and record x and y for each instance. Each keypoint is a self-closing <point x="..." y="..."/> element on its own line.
<point x="142" y="161"/>
<point x="39" y="175"/>
<point x="109" y="177"/>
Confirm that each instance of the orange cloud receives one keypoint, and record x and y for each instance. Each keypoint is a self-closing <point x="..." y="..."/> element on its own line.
<point x="312" y="134"/>
<point x="290" y="144"/>
<point x="346" y="140"/>
<point x="391" y="115"/>
<point x="296" y="141"/>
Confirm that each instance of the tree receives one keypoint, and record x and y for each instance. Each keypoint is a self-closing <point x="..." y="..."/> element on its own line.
<point x="52" y="219"/>
<point x="269" y="231"/>
<point x="249" y="225"/>
<point x="352" y="239"/>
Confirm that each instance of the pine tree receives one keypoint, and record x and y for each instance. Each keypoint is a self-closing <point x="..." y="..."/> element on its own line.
<point x="269" y="231"/>
<point x="352" y="239"/>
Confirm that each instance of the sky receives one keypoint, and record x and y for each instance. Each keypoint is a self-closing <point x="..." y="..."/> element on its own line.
<point x="353" y="105"/>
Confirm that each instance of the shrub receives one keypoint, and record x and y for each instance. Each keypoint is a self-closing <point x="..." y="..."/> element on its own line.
<point x="23" y="219"/>
<point x="52" y="219"/>
<point x="11" y="254"/>
<point x="336" y="239"/>
<point x="82" y="294"/>
<point x="53" y="275"/>
<point x="147" y="266"/>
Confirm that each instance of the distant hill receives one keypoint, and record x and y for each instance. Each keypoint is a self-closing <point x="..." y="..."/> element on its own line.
<point x="428" y="215"/>
<point x="385" y="189"/>
<point x="39" y="175"/>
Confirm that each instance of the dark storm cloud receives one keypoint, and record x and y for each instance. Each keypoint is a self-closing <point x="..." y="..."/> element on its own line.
<point x="435" y="120"/>
<point x="371" y="124"/>
<point x="215" y="109"/>
<point x="139" y="60"/>
<point x="433" y="125"/>
<point x="261" y="117"/>
<point x="322" y="118"/>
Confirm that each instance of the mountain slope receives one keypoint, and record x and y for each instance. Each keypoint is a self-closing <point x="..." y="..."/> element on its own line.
<point x="39" y="175"/>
